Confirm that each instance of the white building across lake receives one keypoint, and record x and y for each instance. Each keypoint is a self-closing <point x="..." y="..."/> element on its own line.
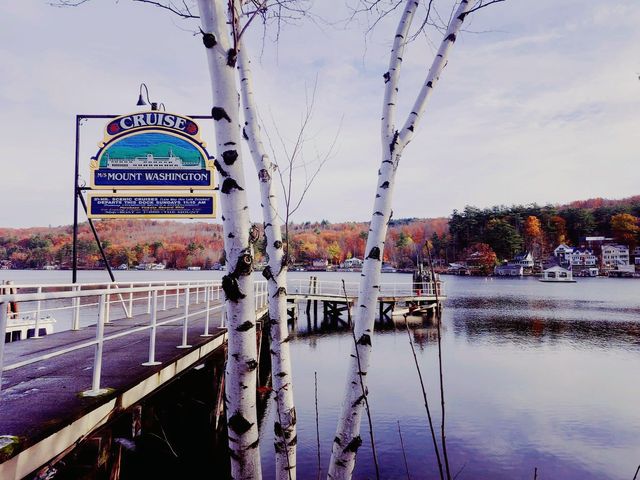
<point x="614" y="256"/>
<point x="557" y="274"/>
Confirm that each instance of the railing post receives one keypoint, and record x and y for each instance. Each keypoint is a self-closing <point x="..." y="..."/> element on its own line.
<point x="76" y="312"/>
<point x="197" y="294"/>
<point x="130" y="301"/>
<point x="36" y="334"/>
<point x="4" y="315"/>
<point x="97" y="358"/>
<point x="177" y="294"/>
<point x="154" y="328"/>
<point x="185" y="324"/>
<point x="107" y="307"/>
<point x="164" y="297"/>
<point x="207" y="300"/>
<point x="149" y="300"/>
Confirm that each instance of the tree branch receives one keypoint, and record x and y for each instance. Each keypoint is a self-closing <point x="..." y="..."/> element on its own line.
<point x="184" y="13"/>
<point x="481" y="4"/>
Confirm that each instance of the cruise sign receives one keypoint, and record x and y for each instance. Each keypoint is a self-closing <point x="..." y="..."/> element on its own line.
<point x="152" y="150"/>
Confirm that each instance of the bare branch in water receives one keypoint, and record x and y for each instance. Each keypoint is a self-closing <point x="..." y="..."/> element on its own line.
<point x="315" y="375"/>
<point x="404" y="455"/>
<point x="426" y="401"/>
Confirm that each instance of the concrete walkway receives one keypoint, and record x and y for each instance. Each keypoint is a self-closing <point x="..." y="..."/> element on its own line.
<point x="42" y="409"/>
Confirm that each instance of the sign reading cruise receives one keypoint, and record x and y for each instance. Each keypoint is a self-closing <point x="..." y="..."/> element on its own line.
<point x="152" y="150"/>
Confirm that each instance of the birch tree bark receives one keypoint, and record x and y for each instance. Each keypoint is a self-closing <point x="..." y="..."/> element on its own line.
<point x="240" y="373"/>
<point x="276" y="274"/>
<point x="347" y="439"/>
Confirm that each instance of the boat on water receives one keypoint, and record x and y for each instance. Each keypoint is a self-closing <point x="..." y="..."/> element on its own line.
<point x="557" y="274"/>
<point x="21" y="328"/>
<point x="388" y="269"/>
<point x="150" y="162"/>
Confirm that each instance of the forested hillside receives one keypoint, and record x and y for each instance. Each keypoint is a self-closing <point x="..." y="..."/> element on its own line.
<point x="180" y="245"/>
<point x="506" y="230"/>
<point x="509" y="230"/>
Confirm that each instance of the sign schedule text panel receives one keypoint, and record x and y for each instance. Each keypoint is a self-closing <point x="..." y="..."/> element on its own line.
<point x="187" y="205"/>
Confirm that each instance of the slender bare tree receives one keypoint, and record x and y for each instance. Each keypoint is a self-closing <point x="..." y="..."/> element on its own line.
<point x="276" y="275"/>
<point x="394" y="141"/>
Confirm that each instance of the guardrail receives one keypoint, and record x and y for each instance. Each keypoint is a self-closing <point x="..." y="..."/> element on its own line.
<point x="335" y="288"/>
<point x="93" y="303"/>
<point x="145" y="296"/>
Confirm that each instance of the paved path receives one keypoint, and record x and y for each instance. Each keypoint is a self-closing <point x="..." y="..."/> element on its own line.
<point x="41" y="399"/>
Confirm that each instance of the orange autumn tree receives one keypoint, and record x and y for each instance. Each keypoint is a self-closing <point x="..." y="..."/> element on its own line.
<point x="480" y="258"/>
<point x="533" y="235"/>
<point x="625" y="228"/>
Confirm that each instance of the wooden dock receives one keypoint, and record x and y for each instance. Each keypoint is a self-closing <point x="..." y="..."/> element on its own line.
<point x="57" y="390"/>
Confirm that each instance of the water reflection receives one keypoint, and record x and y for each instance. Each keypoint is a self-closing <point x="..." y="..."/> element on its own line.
<point x="534" y="377"/>
<point x="527" y="322"/>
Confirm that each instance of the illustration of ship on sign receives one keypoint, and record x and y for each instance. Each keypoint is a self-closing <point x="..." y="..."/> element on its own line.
<point x="149" y="162"/>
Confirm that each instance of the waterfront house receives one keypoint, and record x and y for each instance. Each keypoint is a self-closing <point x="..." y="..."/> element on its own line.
<point x="352" y="263"/>
<point x="561" y="252"/>
<point x="584" y="257"/>
<point x="523" y="259"/>
<point x="557" y="274"/>
<point x="622" y="271"/>
<point x="508" y="270"/>
<point x="319" y="265"/>
<point x="457" y="269"/>
<point x="614" y="256"/>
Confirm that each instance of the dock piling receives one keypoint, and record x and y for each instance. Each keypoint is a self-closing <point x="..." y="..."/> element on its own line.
<point x="4" y="314"/>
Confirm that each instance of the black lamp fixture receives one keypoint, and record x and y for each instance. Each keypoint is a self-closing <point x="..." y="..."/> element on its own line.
<point x="141" y="102"/>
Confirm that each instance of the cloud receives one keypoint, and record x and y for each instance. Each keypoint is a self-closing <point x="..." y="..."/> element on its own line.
<point x="530" y="110"/>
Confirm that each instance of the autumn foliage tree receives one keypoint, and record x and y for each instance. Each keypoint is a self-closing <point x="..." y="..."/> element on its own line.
<point x="481" y="258"/>
<point x="533" y="235"/>
<point x="557" y="230"/>
<point x="626" y="228"/>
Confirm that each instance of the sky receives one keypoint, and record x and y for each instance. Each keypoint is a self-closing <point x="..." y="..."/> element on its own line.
<point x="539" y="103"/>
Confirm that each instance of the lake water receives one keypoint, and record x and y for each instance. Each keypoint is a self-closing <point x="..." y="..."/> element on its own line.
<point x="536" y="375"/>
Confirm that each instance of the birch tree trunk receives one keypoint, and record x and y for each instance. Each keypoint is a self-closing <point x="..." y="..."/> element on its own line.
<point x="347" y="439"/>
<point x="240" y="373"/>
<point x="276" y="274"/>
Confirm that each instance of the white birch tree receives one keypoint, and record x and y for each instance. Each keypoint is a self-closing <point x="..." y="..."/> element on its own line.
<point x="394" y="140"/>
<point x="240" y="373"/>
<point x="276" y="275"/>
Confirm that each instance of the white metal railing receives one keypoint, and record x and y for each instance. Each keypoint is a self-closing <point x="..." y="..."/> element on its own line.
<point x="335" y="288"/>
<point x="146" y="297"/>
<point x="77" y="307"/>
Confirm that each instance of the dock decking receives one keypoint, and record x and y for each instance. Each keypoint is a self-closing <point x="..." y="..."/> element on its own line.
<point x="42" y="409"/>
